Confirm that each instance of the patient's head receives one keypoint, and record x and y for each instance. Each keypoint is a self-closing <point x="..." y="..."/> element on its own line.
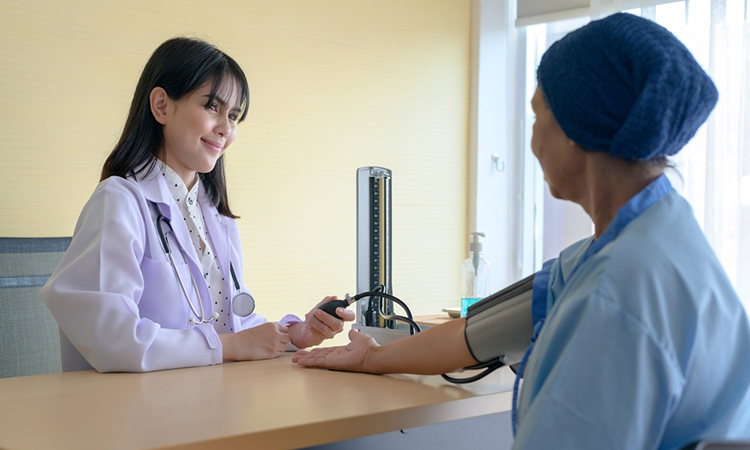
<point x="626" y="86"/>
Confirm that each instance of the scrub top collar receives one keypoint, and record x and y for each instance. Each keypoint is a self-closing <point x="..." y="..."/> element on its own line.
<point x="626" y="214"/>
<point x="629" y="211"/>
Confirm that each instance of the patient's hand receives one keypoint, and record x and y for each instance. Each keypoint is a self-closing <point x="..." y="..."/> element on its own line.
<point x="352" y="358"/>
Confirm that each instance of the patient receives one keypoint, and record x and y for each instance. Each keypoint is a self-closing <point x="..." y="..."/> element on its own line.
<point x="640" y="341"/>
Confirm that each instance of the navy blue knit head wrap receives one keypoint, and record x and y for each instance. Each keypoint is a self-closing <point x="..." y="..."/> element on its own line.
<point x="626" y="86"/>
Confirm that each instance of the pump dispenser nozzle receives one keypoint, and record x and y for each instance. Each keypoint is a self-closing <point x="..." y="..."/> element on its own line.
<point x="475" y="245"/>
<point x="475" y="248"/>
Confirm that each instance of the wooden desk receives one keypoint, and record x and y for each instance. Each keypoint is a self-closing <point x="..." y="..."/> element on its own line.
<point x="262" y="404"/>
<point x="432" y="320"/>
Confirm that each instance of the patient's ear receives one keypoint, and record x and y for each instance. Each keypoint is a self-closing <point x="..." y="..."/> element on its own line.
<point x="159" y="101"/>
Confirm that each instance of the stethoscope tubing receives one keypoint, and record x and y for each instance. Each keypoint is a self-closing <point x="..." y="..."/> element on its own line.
<point x="201" y="317"/>
<point x="242" y="301"/>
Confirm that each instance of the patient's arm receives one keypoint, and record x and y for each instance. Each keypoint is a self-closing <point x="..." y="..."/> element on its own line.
<point x="437" y="350"/>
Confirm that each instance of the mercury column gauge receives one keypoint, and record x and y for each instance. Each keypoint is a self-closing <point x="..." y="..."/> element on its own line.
<point x="374" y="254"/>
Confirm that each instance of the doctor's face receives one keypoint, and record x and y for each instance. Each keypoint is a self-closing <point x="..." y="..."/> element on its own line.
<point x="563" y="161"/>
<point x="196" y="132"/>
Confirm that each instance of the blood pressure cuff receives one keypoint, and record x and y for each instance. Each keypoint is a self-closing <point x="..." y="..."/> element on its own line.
<point x="499" y="326"/>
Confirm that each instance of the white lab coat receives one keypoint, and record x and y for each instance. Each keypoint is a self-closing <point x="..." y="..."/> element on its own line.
<point x="115" y="295"/>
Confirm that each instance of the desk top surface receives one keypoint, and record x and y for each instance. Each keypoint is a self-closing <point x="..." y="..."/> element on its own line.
<point x="266" y="404"/>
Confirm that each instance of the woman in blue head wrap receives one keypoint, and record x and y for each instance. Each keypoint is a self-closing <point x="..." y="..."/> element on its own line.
<point x="640" y="341"/>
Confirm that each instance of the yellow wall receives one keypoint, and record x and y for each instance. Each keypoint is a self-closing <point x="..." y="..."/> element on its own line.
<point x="335" y="85"/>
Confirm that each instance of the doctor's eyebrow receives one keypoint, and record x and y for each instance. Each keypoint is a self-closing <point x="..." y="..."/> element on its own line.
<point x="216" y="99"/>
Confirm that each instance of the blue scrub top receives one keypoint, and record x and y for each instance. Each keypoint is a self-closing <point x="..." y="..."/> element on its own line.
<point x="644" y="342"/>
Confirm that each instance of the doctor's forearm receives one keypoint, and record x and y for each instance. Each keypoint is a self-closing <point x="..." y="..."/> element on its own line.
<point x="437" y="350"/>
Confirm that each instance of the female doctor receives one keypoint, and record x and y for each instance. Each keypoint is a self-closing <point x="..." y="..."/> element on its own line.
<point x="153" y="276"/>
<point x="640" y="341"/>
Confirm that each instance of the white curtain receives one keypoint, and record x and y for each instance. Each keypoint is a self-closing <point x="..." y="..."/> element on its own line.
<point x="603" y="8"/>
<point x="713" y="171"/>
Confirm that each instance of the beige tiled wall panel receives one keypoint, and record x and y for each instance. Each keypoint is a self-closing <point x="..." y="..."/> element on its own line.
<point x="335" y="85"/>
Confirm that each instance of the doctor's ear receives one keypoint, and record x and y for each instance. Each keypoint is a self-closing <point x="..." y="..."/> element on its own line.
<point x="159" y="100"/>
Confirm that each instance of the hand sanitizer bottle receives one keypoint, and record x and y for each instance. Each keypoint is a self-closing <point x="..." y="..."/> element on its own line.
<point x="475" y="275"/>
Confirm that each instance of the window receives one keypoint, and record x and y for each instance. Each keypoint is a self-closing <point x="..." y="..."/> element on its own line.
<point x="713" y="171"/>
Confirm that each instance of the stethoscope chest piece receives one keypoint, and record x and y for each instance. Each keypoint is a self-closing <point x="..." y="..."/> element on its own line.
<point x="243" y="304"/>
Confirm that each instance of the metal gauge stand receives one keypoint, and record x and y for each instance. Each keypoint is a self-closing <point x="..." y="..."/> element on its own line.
<point x="374" y="254"/>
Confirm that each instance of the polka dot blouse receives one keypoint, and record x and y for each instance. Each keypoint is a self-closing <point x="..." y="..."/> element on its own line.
<point x="187" y="202"/>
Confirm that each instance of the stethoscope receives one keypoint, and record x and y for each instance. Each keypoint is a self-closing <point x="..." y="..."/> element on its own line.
<point x="243" y="304"/>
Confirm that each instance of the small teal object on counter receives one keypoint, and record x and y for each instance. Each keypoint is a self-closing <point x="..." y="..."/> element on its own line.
<point x="475" y="275"/>
<point x="466" y="302"/>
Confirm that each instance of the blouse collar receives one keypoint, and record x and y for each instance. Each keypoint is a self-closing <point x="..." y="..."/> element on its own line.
<point x="177" y="186"/>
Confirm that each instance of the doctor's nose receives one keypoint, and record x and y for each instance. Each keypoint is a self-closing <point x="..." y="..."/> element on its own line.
<point x="224" y="127"/>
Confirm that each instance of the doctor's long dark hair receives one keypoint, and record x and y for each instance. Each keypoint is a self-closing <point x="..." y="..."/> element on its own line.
<point x="179" y="66"/>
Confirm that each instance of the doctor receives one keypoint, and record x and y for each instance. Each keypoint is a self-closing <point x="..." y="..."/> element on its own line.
<point x="153" y="276"/>
<point x="640" y="341"/>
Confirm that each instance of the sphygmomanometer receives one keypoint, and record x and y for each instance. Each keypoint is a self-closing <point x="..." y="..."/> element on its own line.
<point x="498" y="328"/>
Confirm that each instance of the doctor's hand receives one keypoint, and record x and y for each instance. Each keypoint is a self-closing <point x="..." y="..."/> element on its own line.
<point x="265" y="341"/>
<point x="319" y="325"/>
<point x="352" y="358"/>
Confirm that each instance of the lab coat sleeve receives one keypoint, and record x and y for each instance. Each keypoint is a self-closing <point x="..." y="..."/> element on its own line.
<point x="253" y="320"/>
<point x="94" y="292"/>
<point x="601" y="381"/>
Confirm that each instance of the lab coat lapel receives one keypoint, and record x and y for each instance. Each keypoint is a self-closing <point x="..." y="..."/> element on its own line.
<point x="183" y="237"/>
<point x="155" y="190"/>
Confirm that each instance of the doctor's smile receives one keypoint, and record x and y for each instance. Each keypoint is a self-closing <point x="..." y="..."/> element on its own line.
<point x="212" y="145"/>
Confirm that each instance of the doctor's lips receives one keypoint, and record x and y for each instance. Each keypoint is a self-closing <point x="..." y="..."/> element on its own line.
<point x="214" y="145"/>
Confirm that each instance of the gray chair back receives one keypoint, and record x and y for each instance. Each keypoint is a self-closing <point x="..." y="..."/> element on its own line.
<point x="29" y="338"/>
